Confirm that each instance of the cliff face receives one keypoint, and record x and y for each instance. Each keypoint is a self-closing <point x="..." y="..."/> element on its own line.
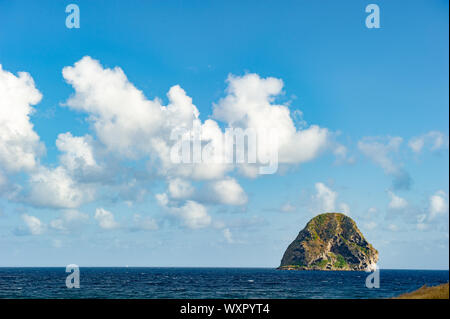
<point x="330" y="241"/>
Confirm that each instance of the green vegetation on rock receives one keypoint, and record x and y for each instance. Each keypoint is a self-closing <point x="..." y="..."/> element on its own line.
<point x="340" y="262"/>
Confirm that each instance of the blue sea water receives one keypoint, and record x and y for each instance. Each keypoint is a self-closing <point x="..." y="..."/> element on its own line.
<point x="210" y="283"/>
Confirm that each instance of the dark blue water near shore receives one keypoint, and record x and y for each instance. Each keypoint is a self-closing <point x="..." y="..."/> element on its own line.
<point x="209" y="283"/>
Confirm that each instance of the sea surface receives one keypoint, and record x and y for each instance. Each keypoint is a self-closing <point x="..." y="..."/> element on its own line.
<point x="210" y="283"/>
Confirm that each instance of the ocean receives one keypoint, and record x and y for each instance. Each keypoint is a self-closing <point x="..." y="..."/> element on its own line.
<point x="218" y="283"/>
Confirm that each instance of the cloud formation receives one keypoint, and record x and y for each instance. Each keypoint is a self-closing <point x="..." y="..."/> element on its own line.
<point x="227" y="191"/>
<point x="380" y="151"/>
<point x="438" y="204"/>
<point x="20" y="146"/>
<point x="396" y="202"/>
<point x="34" y="224"/>
<point x="249" y="103"/>
<point x="325" y="200"/>
<point x="55" y="188"/>
<point x="69" y="220"/>
<point x="105" y="219"/>
<point x="435" y="139"/>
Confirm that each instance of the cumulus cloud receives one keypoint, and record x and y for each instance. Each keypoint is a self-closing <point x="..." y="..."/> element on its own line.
<point x="55" y="188"/>
<point x="123" y="118"/>
<point x="325" y="200"/>
<point x="105" y="219"/>
<point x="192" y="214"/>
<point x="435" y="216"/>
<point x="34" y="225"/>
<point x="19" y="144"/>
<point x="77" y="151"/>
<point x="438" y="204"/>
<point x="162" y="199"/>
<point x="325" y="197"/>
<point x="396" y="202"/>
<point x="227" y="191"/>
<point x="249" y="103"/>
<point x="129" y="123"/>
<point x="380" y="152"/>
<point x="180" y="189"/>
<point x="435" y="139"/>
<point x="69" y="220"/>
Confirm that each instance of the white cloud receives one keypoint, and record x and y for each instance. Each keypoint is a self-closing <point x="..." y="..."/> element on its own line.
<point x="55" y="188"/>
<point x="228" y="192"/>
<point x="123" y="118"/>
<point x="162" y="199"/>
<point x="105" y="219"/>
<point x="193" y="215"/>
<point x="341" y="153"/>
<point x="68" y="220"/>
<point x="77" y="151"/>
<point x="380" y="152"/>
<point x="180" y="189"/>
<point x="435" y="139"/>
<point x="127" y="125"/>
<point x="416" y="144"/>
<point x="143" y="127"/>
<point x="325" y="197"/>
<point x="438" y="204"/>
<point x="35" y="226"/>
<point x="325" y="200"/>
<point x="228" y="236"/>
<point x="396" y="202"/>
<point x="19" y="143"/>
<point x="125" y="121"/>
<point x="249" y="104"/>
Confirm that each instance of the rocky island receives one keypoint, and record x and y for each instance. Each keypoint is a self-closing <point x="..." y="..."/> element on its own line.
<point x="330" y="241"/>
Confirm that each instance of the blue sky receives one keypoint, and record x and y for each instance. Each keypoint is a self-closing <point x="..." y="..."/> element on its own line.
<point x="380" y="94"/>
